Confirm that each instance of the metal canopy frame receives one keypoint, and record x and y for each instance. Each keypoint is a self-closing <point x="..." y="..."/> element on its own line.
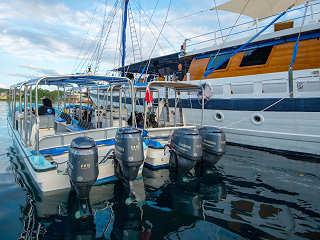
<point x="81" y="80"/>
<point x="177" y="87"/>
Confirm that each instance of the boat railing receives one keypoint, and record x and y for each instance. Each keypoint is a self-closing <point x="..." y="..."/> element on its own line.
<point x="64" y="139"/>
<point x="166" y="131"/>
<point x="220" y="36"/>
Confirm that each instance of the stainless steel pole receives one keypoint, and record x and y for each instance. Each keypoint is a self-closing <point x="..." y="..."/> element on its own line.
<point x="202" y="113"/>
<point x="120" y="107"/>
<point x="25" y="115"/>
<point x="111" y="107"/>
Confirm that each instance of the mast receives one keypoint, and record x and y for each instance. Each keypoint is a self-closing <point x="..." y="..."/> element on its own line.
<point x="123" y="35"/>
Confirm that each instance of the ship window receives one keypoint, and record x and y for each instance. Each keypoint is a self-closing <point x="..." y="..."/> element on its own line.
<point x="217" y="60"/>
<point x="258" y="56"/>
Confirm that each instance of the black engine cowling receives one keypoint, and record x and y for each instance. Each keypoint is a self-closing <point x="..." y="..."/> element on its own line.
<point x="187" y="147"/>
<point x="213" y="144"/>
<point x="129" y="153"/>
<point x="83" y="165"/>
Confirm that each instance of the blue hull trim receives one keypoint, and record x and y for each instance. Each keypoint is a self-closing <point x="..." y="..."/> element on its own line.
<point x="255" y="104"/>
<point x="245" y="104"/>
<point x="152" y="167"/>
<point x="106" y="179"/>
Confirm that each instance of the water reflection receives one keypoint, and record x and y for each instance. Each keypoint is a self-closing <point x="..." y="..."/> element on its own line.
<point x="241" y="198"/>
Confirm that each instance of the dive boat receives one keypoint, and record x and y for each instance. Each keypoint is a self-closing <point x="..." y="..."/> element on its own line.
<point x="58" y="148"/>
<point x="263" y="90"/>
<point x="166" y="131"/>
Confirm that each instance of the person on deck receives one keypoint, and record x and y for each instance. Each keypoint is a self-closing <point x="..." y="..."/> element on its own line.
<point x="46" y="108"/>
<point x="179" y="74"/>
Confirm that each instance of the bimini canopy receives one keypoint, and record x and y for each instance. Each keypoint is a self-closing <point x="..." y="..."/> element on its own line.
<point x="258" y="8"/>
<point x="177" y="86"/>
<point x="71" y="80"/>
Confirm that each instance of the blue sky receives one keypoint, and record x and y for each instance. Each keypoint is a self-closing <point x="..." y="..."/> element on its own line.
<point x="49" y="37"/>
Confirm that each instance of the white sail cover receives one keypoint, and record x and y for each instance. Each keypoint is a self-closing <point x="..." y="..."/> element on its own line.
<point x="258" y="8"/>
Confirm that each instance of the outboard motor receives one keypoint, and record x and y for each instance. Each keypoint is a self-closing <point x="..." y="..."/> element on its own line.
<point x="186" y="149"/>
<point x="83" y="169"/>
<point x="129" y="154"/>
<point x="213" y="144"/>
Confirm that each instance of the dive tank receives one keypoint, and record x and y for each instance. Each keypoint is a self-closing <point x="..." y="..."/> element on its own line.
<point x="129" y="153"/>
<point x="187" y="148"/>
<point x="83" y="165"/>
<point x="213" y="144"/>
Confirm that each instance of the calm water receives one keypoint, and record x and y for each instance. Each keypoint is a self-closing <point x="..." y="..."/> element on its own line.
<point x="249" y="195"/>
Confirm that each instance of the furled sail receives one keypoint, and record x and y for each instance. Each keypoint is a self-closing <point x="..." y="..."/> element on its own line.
<point x="258" y="8"/>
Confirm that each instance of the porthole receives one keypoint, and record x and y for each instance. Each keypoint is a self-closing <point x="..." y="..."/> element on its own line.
<point x="257" y="118"/>
<point x="219" y="116"/>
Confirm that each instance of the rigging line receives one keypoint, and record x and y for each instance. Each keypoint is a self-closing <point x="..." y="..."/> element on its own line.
<point x="242" y="47"/>
<point x="150" y="18"/>
<point x="163" y="25"/>
<point x="117" y="44"/>
<point x="95" y="54"/>
<point x="189" y="15"/>
<point x="155" y="26"/>
<point x="177" y="31"/>
<point x="99" y="42"/>
<point x="85" y="39"/>
<point x="100" y="36"/>
<point x="102" y="33"/>
<point x="295" y="49"/>
<point x="89" y="60"/>
<point x="77" y="65"/>
<point x="227" y="36"/>
<point x="147" y="24"/>
<point x="105" y="40"/>
<point x="219" y="23"/>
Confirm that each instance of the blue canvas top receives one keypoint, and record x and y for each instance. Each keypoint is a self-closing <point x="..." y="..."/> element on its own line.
<point x="78" y="79"/>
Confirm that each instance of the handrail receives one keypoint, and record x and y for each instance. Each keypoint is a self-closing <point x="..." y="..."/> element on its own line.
<point x="216" y="38"/>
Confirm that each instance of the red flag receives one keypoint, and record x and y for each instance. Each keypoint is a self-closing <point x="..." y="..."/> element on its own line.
<point x="149" y="98"/>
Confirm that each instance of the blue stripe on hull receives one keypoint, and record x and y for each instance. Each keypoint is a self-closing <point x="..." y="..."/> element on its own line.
<point x="155" y="167"/>
<point x="256" y="104"/>
<point x="245" y="104"/>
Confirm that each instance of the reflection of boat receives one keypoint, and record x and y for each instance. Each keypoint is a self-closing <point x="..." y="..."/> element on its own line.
<point x="180" y="203"/>
<point x="265" y="195"/>
<point x="246" y="200"/>
<point x="55" y="215"/>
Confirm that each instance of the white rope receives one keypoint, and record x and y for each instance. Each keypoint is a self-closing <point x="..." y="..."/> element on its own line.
<point x="243" y="119"/>
<point x="154" y="46"/>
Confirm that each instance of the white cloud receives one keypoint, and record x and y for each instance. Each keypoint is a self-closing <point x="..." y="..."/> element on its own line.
<point x="3" y="85"/>
<point x="53" y="33"/>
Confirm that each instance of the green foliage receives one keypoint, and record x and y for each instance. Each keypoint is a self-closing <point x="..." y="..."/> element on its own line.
<point x="3" y="90"/>
<point x="44" y="93"/>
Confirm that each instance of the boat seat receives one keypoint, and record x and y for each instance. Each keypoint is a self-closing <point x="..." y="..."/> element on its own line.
<point x="66" y="117"/>
<point x="46" y="121"/>
<point x="81" y="126"/>
<point x="154" y="144"/>
<point x="59" y="119"/>
<point x="61" y="150"/>
<point x="74" y="128"/>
